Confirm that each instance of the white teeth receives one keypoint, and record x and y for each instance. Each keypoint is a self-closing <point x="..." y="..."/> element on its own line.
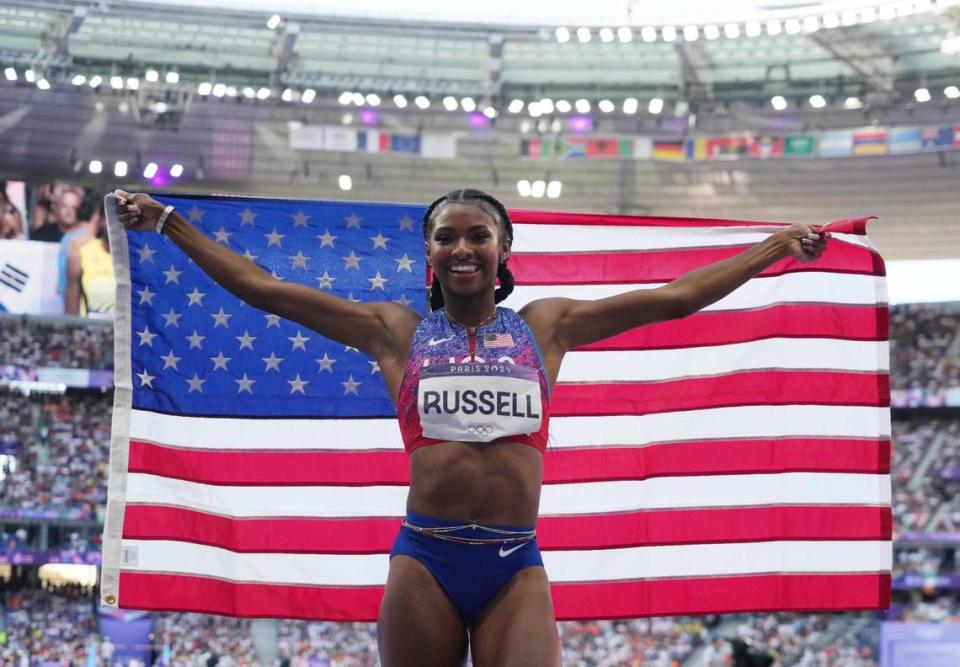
<point x="463" y="268"/>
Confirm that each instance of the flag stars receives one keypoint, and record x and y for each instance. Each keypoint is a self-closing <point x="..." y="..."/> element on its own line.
<point x="272" y="362"/>
<point x="299" y="260"/>
<point x="196" y="215"/>
<point x="273" y="238"/>
<point x="298" y="341"/>
<point x="404" y="264"/>
<point x="351" y="261"/>
<point x="374" y="367"/>
<point x="326" y="239"/>
<point x="172" y="275"/>
<point x="223" y="236"/>
<point x="146" y="337"/>
<point x="196" y="297"/>
<point x="326" y="363"/>
<point x="353" y="221"/>
<point x="146" y="380"/>
<point x="195" y="384"/>
<point x="170" y="361"/>
<point x="247" y="217"/>
<point x="249" y="255"/>
<point x="350" y="386"/>
<point x="220" y="318"/>
<point x="298" y="384"/>
<point x="220" y="362"/>
<point x="403" y="300"/>
<point x="325" y="281"/>
<point x="246" y="340"/>
<point x="300" y="219"/>
<point x="379" y="241"/>
<point x="272" y="320"/>
<point x="171" y="318"/>
<point x="146" y="296"/>
<point x="146" y="254"/>
<point x="244" y="384"/>
<point x="196" y="340"/>
<point x="378" y="282"/>
<point x="406" y="223"/>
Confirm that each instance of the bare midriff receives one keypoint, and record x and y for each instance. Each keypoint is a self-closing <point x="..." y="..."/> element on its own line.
<point x="494" y="483"/>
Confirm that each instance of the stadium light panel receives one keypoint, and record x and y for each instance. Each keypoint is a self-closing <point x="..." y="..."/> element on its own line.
<point x="205" y="88"/>
<point x="731" y="30"/>
<point x="78" y="79"/>
<point x="655" y="106"/>
<point x="792" y="26"/>
<point x="562" y="34"/>
<point x="273" y="22"/>
<point x="546" y="105"/>
<point x="563" y="106"/>
<point x="556" y="126"/>
<point x="400" y="101"/>
<point x="116" y="82"/>
<point x="43" y="84"/>
<point x="868" y="15"/>
<point x="905" y="8"/>
<point x="450" y="103"/>
<point x="553" y="189"/>
<point x="173" y="76"/>
<point x="887" y="12"/>
<point x="523" y="188"/>
<point x="95" y="81"/>
<point x="606" y="35"/>
<point x="263" y="93"/>
<point x="648" y="33"/>
<point x="358" y="99"/>
<point x="133" y="83"/>
<point x="10" y="74"/>
<point x="468" y="104"/>
<point x="630" y="105"/>
<point x="373" y="99"/>
<point x="583" y="105"/>
<point x="249" y="92"/>
<point x="152" y="75"/>
<point x="852" y="103"/>
<point x="231" y="91"/>
<point x="345" y="97"/>
<point x="711" y="32"/>
<point x="538" y="189"/>
<point x="176" y="171"/>
<point x="490" y="112"/>
<point x="778" y="102"/>
<point x="516" y="106"/>
<point x="669" y="33"/>
<point x="345" y="182"/>
<point x="583" y="34"/>
<point x="606" y="106"/>
<point x="534" y="109"/>
<point x="347" y="118"/>
<point x="811" y="24"/>
<point x="422" y="102"/>
<point x="160" y="107"/>
<point x="691" y="33"/>
<point x="286" y="95"/>
<point x="30" y="76"/>
<point x="831" y="20"/>
<point x="817" y="101"/>
<point x="120" y="169"/>
<point x="774" y="27"/>
<point x="753" y="28"/>
<point x="525" y="127"/>
<point x="950" y="44"/>
<point x="624" y="34"/>
<point x="150" y="170"/>
<point x="219" y="90"/>
<point x="542" y="125"/>
<point x="849" y="17"/>
<point x="951" y="92"/>
<point x="308" y="96"/>
<point x="95" y="166"/>
<point x="921" y="95"/>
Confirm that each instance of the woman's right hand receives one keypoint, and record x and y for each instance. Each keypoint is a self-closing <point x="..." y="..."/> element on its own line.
<point x="138" y="212"/>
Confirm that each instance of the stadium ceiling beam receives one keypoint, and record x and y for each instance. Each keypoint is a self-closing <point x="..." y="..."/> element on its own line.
<point x="695" y="67"/>
<point x="867" y="57"/>
<point x="70" y="27"/>
<point x="284" y="52"/>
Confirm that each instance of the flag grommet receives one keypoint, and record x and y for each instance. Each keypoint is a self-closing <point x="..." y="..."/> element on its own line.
<point x="110" y="598"/>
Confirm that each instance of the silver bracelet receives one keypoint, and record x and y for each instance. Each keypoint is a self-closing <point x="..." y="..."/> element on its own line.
<point x="163" y="218"/>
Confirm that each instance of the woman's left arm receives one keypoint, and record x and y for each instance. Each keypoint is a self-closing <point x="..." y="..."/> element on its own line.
<point x="575" y="323"/>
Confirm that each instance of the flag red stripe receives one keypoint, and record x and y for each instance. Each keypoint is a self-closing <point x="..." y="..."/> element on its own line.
<point x="783" y="320"/>
<point x="615" y="599"/>
<point x="592" y="268"/>
<point x="779" y="387"/>
<point x="595" y="531"/>
<point x="524" y="216"/>
<point x="594" y="464"/>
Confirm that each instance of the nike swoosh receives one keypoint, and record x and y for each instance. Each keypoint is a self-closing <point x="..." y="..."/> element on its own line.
<point x="504" y="554"/>
<point x="434" y="341"/>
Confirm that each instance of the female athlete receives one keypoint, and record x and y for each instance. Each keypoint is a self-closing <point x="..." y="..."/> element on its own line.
<point x="471" y="383"/>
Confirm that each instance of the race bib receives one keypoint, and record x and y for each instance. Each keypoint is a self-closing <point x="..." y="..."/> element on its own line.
<point x="478" y="402"/>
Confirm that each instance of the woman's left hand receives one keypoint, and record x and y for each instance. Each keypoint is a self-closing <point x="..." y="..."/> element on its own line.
<point x="804" y="242"/>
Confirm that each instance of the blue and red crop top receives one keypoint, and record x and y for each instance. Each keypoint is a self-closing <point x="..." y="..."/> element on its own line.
<point x="474" y="386"/>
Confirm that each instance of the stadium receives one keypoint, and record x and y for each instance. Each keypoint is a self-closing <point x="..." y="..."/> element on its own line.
<point x="695" y="114"/>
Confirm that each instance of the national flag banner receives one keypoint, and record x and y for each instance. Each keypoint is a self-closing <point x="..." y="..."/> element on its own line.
<point x="836" y="143"/>
<point x="956" y="135"/>
<point x="536" y="148"/>
<point x="766" y="146"/>
<point x="735" y="460"/>
<point x="905" y="140"/>
<point x="28" y="277"/>
<point x="670" y="150"/>
<point x="870" y="141"/>
<point x="729" y="147"/>
<point x="799" y="145"/>
<point x="937" y="138"/>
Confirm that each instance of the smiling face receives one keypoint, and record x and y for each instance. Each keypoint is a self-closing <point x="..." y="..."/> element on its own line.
<point x="464" y="247"/>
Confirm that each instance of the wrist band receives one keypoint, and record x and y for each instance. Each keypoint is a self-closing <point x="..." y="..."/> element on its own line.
<point x="163" y="218"/>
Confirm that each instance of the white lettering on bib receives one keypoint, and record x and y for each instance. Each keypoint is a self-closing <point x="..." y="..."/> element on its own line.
<point x="478" y="402"/>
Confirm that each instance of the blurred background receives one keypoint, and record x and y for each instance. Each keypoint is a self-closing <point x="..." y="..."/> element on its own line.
<point x="780" y="111"/>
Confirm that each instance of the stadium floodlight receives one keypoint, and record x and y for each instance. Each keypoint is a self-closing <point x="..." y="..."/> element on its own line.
<point x="553" y="189"/>
<point x="78" y="79"/>
<point x="921" y="95"/>
<point x="450" y="103"/>
<point x="562" y="34"/>
<point x="358" y="99"/>
<point x="669" y="33"/>
<point x="817" y="101"/>
<point x="523" y="187"/>
<point x="648" y="34"/>
<point x="792" y="26"/>
<point x="133" y="83"/>
<point x="753" y="28"/>
<point x="582" y="105"/>
<point x="116" y="82"/>
<point x="205" y="88"/>
<point x="152" y="75"/>
<point x="287" y="95"/>
<point x="173" y="76"/>
<point x="778" y="102"/>
<point x="583" y="34"/>
<point x="516" y="106"/>
<point x="624" y="34"/>
<point x="868" y="15"/>
<point x="906" y="8"/>
<point x="811" y="24"/>
<point x="95" y="81"/>
<point x="831" y="20"/>
<point x="564" y="106"/>
<point x="606" y="35"/>
<point x="951" y="92"/>
<point x="150" y="170"/>
<point x="373" y="99"/>
<point x="10" y="73"/>
<point x="345" y="97"/>
<point x="606" y="106"/>
<point x="852" y="103"/>
<point x="231" y="91"/>
<point x="176" y="171"/>
<point x="691" y="33"/>
<point x="219" y="90"/>
<point x="525" y="127"/>
<point x="308" y="95"/>
<point x="347" y="118"/>
<point x="923" y="6"/>
<point x="263" y="93"/>
<point x="630" y="105"/>
<point x="468" y="104"/>
<point x="950" y="44"/>
<point x="534" y="109"/>
<point x="731" y="30"/>
<point x="95" y="166"/>
<point x="422" y="101"/>
<point x="490" y="112"/>
<point x="43" y="84"/>
<point x="249" y="92"/>
<point x="120" y="169"/>
<point x="160" y="107"/>
<point x="30" y="76"/>
<point x="546" y="105"/>
<point x="273" y="22"/>
<point x="887" y="12"/>
<point x="542" y="125"/>
<point x="345" y="182"/>
<point x="849" y="17"/>
<point x="400" y="101"/>
<point x="655" y="106"/>
<point x="774" y="27"/>
<point x="556" y="126"/>
<point x="711" y="32"/>
<point x="538" y="189"/>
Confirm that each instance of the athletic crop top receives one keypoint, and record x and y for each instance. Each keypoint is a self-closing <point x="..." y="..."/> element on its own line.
<point x="480" y="388"/>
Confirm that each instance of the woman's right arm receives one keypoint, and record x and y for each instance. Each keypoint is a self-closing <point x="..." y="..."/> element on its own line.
<point x="382" y="329"/>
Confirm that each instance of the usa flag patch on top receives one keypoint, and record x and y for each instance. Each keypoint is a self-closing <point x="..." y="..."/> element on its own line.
<point x="494" y="340"/>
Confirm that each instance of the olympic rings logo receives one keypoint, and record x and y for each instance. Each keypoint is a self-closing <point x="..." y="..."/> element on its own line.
<point x="480" y="429"/>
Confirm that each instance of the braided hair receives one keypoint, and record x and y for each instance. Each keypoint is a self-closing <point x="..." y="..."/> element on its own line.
<point x="492" y="207"/>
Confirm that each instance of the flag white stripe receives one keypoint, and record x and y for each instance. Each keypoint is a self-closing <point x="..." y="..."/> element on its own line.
<point x="771" y="353"/>
<point x="814" y="488"/>
<point x="655" y="562"/>
<point x="234" y="433"/>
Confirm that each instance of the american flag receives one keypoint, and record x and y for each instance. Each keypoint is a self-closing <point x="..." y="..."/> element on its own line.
<point x="735" y="460"/>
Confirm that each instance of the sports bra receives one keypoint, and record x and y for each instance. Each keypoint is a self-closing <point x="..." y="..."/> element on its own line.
<point x="471" y="385"/>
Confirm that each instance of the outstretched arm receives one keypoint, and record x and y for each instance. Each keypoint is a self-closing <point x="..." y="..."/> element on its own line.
<point x="564" y="324"/>
<point x="381" y="329"/>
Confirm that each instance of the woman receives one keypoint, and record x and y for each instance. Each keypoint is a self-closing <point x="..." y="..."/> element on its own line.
<point x="474" y="379"/>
